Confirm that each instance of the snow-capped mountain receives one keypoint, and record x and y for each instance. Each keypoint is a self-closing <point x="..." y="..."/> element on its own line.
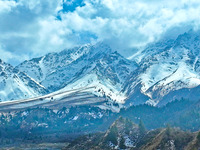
<point x="89" y="65"/>
<point x="167" y="70"/>
<point x="17" y="85"/>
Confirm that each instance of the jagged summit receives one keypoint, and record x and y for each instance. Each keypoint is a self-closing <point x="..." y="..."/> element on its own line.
<point x="88" y="65"/>
<point x="42" y="67"/>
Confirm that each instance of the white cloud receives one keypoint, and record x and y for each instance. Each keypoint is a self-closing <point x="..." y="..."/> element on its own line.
<point x="6" y="6"/>
<point x="8" y="56"/>
<point x="130" y="23"/>
<point x="30" y="27"/>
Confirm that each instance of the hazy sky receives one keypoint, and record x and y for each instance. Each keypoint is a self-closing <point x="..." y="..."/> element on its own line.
<point x="30" y="28"/>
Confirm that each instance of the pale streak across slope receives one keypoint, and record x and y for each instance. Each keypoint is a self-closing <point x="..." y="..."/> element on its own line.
<point x="69" y="98"/>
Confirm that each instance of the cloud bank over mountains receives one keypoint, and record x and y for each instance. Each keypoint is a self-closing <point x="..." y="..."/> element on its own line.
<point x="31" y="28"/>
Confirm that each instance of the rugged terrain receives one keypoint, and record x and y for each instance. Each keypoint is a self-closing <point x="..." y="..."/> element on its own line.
<point x="17" y="85"/>
<point x="168" y="70"/>
<point x="82" y="91"/>
<point x="161" y="72"/>
<point x="124" y="134"/>
<point x="89" y="65"/>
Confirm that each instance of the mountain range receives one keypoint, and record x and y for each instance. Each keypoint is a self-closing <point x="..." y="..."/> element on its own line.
<point x="161" y="72"/>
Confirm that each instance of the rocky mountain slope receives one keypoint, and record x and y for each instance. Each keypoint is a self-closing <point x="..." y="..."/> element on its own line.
<point x="162" y="72"/>
<point x="89" y="65"/>
<point x="168" y="70"/>
<point x="17" y="85"/>
<point x="124" y="134"/>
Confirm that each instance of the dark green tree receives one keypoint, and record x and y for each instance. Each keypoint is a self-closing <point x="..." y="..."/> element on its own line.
<point x="198" y="138"/>
<point x="168" y="130"/>
<point x="128" y="126"/>
<point x="142" y="129"/>
<point x="112" y="135"/>
<point x="122" y="143"/>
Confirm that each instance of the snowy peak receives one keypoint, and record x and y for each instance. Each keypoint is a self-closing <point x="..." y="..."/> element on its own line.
<point x="82" y="66"/>
<point x="162" y="68"/>
<point x="168" y="66"/>
<point x="17" y="85"/>
<point x="107" y="74"/>
<point x="42" y="67"/>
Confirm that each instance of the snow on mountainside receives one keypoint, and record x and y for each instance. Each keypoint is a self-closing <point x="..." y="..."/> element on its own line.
<point x="88" y="65"/>
<point x="166" y="67"/>
<point x="17" y="85"/>
<point x="107" y="73"/>
<point x="41" y="68"/>
<point x="166" y="70"/>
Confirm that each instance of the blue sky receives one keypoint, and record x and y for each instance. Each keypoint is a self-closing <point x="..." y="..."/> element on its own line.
<point x="31" y="28"/>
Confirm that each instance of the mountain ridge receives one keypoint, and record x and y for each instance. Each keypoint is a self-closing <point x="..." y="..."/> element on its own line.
<point x="167" y="67"/>
<point x="17" y="85"/>
<point x="97" y="64"/>
<point x="153" y="76"/>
